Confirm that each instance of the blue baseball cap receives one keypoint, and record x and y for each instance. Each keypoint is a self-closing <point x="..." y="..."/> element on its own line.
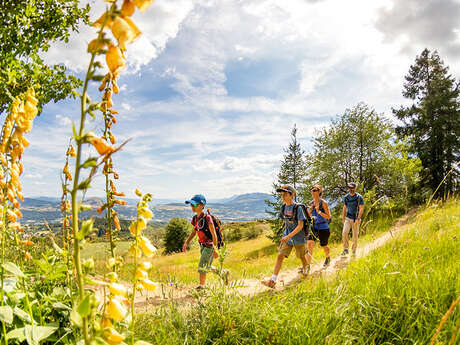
<point x="197" y="199"/>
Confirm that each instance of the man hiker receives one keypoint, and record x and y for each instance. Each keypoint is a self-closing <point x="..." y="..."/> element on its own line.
<point x="203" y="226"/>
<point x="351" y="217"/>
<point x="293" y="235"/>
<point x="321" y="215"/>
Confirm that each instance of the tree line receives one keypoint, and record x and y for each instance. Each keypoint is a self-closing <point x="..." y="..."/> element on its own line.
<point x="402" y="163"/>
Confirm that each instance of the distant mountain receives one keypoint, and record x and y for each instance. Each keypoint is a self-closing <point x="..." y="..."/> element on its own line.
<point x="241" y="207"/>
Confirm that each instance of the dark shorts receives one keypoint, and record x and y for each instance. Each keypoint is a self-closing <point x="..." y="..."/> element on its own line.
<point x="322" y="235"/>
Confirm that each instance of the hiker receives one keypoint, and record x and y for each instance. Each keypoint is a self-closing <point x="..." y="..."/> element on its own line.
<point x="293" y="236"/>
<point x="321" y="215"/>
<point x="351" y="217"/>
<point x="203" y="226"/>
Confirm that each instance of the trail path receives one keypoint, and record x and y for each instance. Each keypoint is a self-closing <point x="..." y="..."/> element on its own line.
<point x="251" y="286"/>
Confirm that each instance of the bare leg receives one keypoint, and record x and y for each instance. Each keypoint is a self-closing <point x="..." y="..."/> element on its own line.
<point x="278" y="264"/>
<point x="202" y="279"/>
<point x="326" y="250"/>
<point x="309" y="254"/>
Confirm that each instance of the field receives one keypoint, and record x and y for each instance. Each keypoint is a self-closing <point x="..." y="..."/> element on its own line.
<point x="247" y="258"/>
<point x="396" y="295"/>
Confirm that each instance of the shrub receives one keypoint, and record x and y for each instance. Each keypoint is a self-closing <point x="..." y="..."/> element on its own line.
<point x="175" y="235"/>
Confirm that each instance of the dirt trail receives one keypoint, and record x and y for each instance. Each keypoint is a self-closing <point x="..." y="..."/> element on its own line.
<point x="251" y="287"/>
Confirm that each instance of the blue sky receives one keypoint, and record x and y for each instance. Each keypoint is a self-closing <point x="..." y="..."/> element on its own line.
<point x="213" y="87"/>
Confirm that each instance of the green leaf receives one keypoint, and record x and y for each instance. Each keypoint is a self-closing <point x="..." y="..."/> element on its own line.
<point x="12" y="268"/>
<point x="62" y="306"/>
<point x="74" y="131"/>
<point x="6" y="314"/>
<point x="84" y="308"/>
<point x="90" y="162"/>
<point x="35" y="334"/>
<point x="22" y="314"/>
<point x="84" y="184"/>
<point x="86" y="229"/>
<point x="9" y="284"/>
<point x="17" y="333"/>
<point x="76" y="318"/>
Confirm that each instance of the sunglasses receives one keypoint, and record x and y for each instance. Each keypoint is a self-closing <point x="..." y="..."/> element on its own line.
<point x="193" y="205"/>
<point x="315" y="190"/>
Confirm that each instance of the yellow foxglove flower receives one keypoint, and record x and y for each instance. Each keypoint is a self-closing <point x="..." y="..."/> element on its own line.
<point x="145" y="212"/>
<point x="141" y="274"/>
<point x="114" y="59"/>
<point x="96" y="45"/>
<point x="11" y="215"/>
<point x="115" y="310"/>
<point x="102" y="146"/>
<point x="146" y="265"/>
<point x="118" y="289"/>
<point x="134" y="250"/>
<point x="127" y="9"/>
<point x="147" y="247"/>
<point x="116" y="222"/>
<point x="71" y="152"/>
<point x="142" y="5"/>
<point x="108" y="22"/>
<point x="125" y="32"/>
<point x="112" y="337"/>
<point x="149" y="285"/>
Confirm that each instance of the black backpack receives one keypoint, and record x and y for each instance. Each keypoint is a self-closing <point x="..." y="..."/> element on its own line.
<point x="321" y="208"/>
<point x="307" y="221"/>
<point x="203" y="226"/>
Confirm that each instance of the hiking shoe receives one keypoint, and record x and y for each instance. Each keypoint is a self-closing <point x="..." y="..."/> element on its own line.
<point x="345" y="252"/>
<point x="269" y="283"/>
<point x="306" y="271"/>
<point x="200" y="288"/>
<point x="224" y="275"/>
<point x="327" y="262"/>
<point x="300" y="270"/>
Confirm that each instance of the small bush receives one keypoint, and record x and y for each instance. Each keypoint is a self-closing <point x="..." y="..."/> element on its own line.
<point x="175" y="235"/>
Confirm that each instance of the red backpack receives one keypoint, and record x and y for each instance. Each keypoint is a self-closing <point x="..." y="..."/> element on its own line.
<point x="202" y="226"/>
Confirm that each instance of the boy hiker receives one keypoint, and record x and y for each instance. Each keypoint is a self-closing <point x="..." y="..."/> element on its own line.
<point x="351" y="217"/>
<point x="293" y="236"/>
<point x="203" y="226"/>
<point x="319" y="211"/>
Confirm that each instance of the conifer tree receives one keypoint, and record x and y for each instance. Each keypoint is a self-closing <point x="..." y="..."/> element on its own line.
<point x="432" y="122"/>
<point x="292" y="172"/>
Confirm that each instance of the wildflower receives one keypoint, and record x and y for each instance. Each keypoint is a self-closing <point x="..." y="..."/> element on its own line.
<point x="115" y="310"/>
<point x="104" y="18"/>
<point x="114" y="59"/>
<point x="116" y="222"/>
<point x="125" y="31"/>
<point x="100" y="209"/>
<point x="149" y="285"/>
<point x="96" y="45"/>
<point x="27" y="256"/>
<point x="112" y="276"/>
<point x="113" y="140"/>
<point x="146" y="265"/>
<point x="115" y="86"/>
<point x="71" y="152"/>
<point x="147" y="247"/>
<point x="120" y="202"/>
<point x="112" y="337"/>
<point x="145" y="212"/>
<point x="117" y="289"/>
<point x="66" y="172"/>
<point x="18" y="213"/>
<point x="141" y="274"/>
<point x="127" y="9"/>
<point x="101" y="146"/>
<point x="11" y="216"/>
<point x="142" y="5"/>
<point x="134" y="250"/>
<point x="118" y="194"/>
<point x="27" y="242"/>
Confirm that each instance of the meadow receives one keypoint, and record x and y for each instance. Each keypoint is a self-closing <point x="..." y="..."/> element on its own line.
<point x="396" y="295"/>
<point x="250" y="253"/>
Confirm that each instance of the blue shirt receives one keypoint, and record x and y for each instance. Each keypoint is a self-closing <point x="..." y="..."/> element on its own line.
<point x="321" y="223"/>
<point x="352" y="202"/>
<point x="291" y="224"/>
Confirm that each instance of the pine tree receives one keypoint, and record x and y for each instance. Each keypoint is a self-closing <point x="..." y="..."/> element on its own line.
<point x="292" y="172"/>
<point x="432" y="122"/>
<point x="175" y="235"/>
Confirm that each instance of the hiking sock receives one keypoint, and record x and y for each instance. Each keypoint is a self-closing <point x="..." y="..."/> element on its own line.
<point x="274" y="277"/>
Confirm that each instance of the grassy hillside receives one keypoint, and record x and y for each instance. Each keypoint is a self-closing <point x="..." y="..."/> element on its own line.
<point x="396" y="295"/>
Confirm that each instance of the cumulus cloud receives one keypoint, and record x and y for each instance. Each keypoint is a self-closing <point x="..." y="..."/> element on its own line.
<point x="417" y="24"/>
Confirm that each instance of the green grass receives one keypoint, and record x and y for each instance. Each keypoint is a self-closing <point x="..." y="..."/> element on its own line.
<point x="397" y="295"/>
<point x="252" y="258"/>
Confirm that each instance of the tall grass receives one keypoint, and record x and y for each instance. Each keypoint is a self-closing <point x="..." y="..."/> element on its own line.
<point x="397" y="295"/>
